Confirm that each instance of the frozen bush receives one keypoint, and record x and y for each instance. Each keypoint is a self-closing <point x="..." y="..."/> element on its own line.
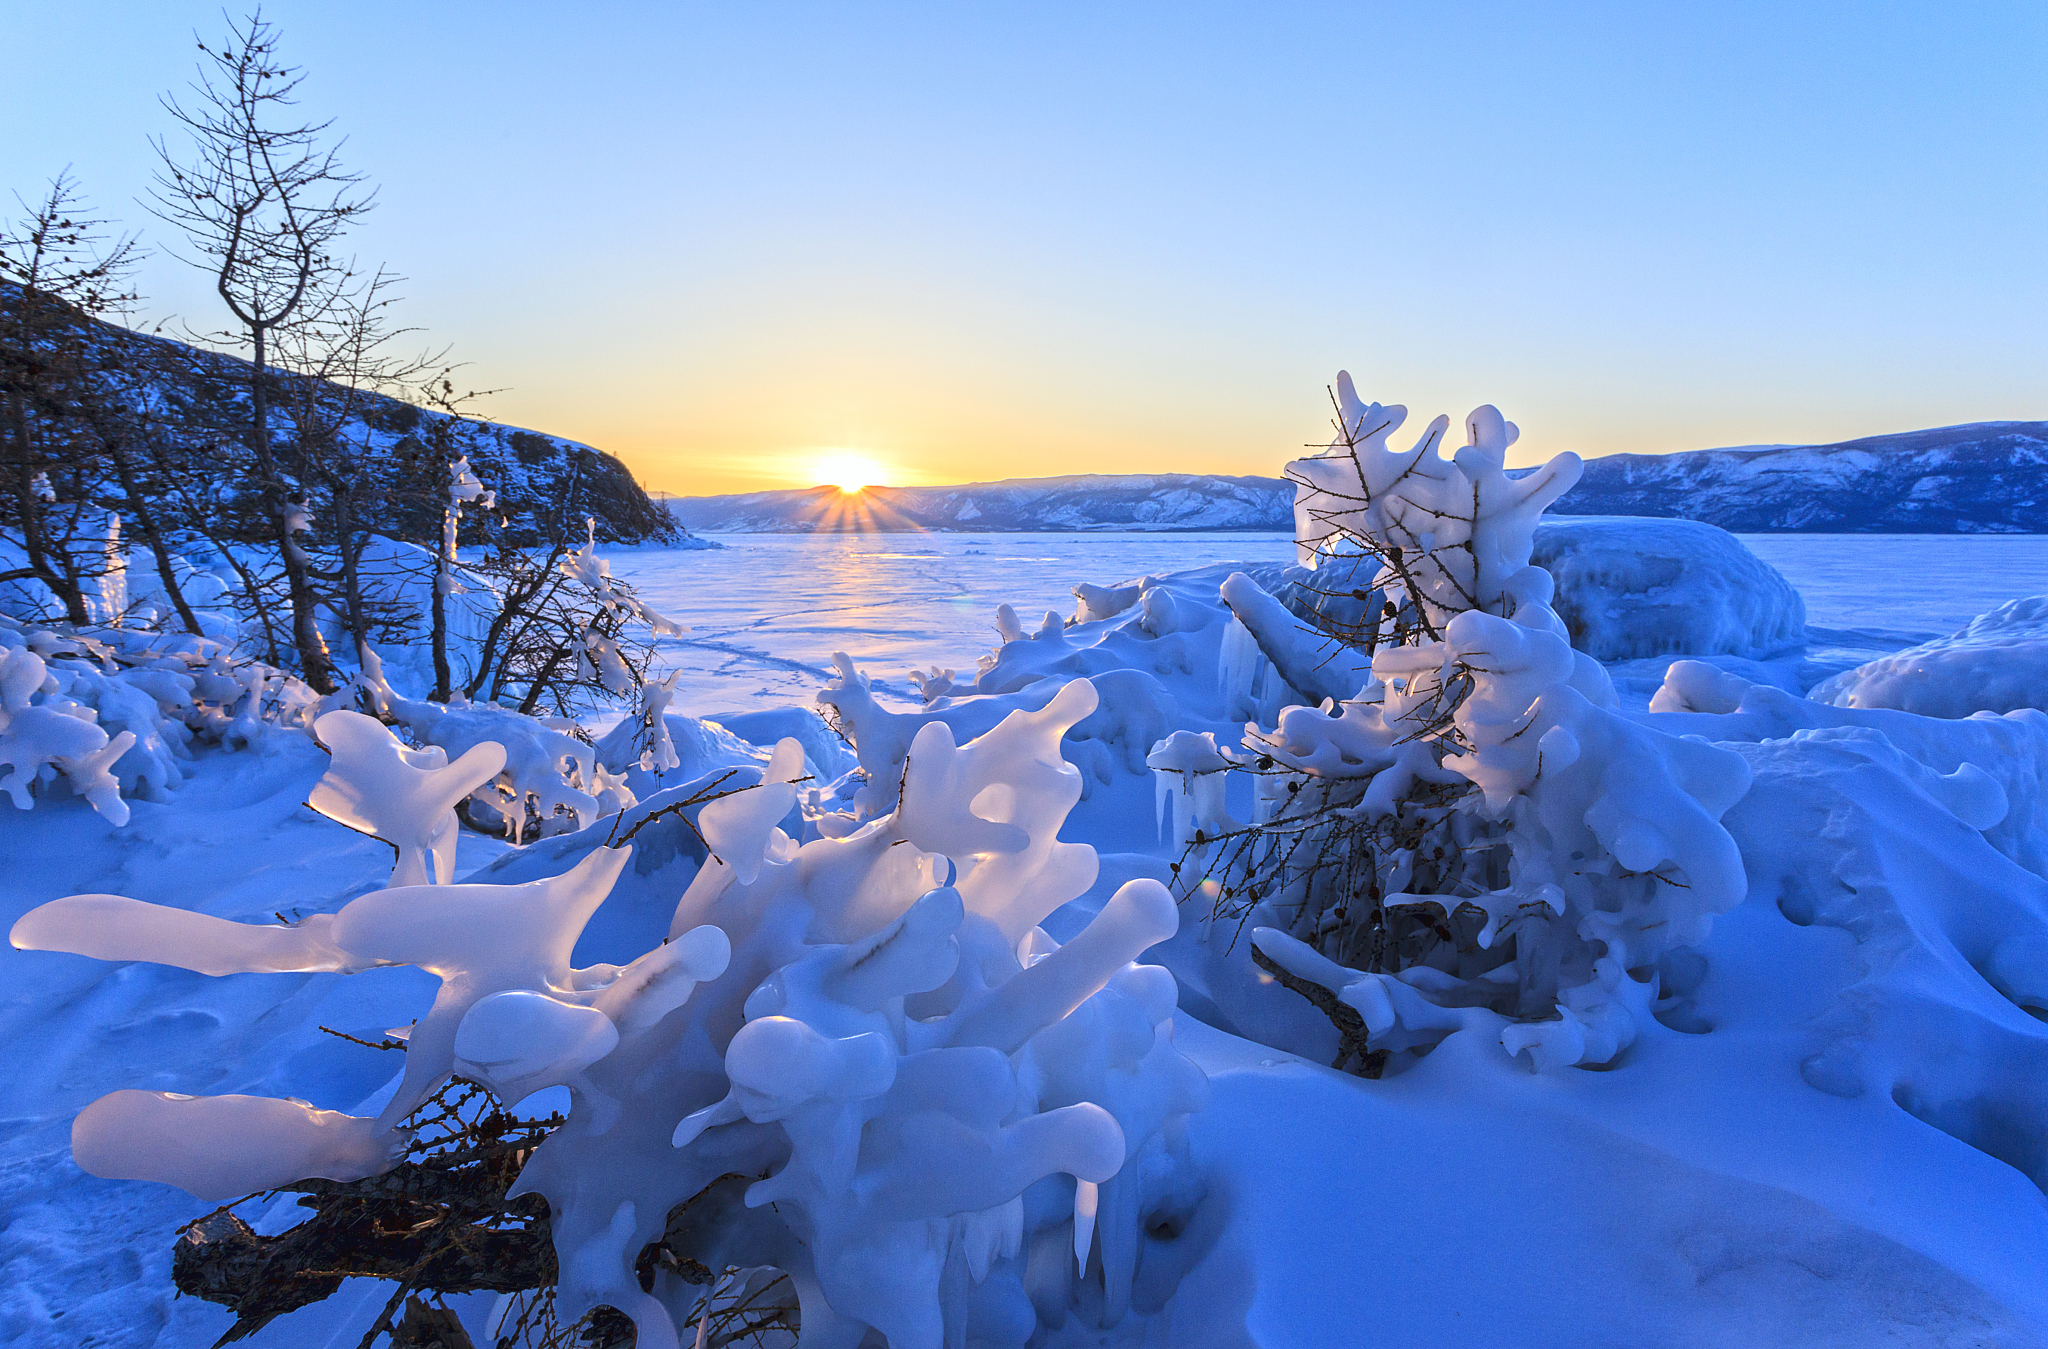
<point x="108" y="713"/>
<point x="859" y="1060"/>
<point x="1474" y="837"/>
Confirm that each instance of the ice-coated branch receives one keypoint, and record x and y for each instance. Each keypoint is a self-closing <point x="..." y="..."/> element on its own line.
<point x="1316" y="666"/>
<point x="404" y="796"/>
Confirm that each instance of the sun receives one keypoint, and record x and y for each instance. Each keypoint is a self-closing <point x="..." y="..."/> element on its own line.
<point x="849" y="472"/>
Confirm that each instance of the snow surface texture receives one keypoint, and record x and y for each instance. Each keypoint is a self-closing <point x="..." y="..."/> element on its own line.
<point x="1999" y="663"/>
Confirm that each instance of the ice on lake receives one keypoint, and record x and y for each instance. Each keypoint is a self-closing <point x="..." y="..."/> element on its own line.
<point x="768" y="610"/>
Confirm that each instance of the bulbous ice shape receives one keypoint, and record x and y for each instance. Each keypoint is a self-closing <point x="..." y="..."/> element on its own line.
<point x="778" y="1063"/>
<point x="1463" y="527"/>
<point x="738" y="828"/>
<point x="114" y="927"/>
<point x="995" y="807"/>
<point x="519" y="1041"/>
<point x="479" y="939"/>
<point x="1188" y="776"/>
<point x="1138" y="916"/>
<point x="404" y="796"/>
<point x="1315" y="666"/>
<point x="222" y="1147"/>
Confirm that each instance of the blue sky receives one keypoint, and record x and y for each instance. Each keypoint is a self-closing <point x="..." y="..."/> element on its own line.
<point x="971" y="241"/>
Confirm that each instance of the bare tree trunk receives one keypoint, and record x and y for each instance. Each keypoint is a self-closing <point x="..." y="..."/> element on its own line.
<point x="196" y="516"/>
<point x="442" y="677"/>
<point x="540" y="681"/>
<point x="349" y="545"/>
<point x="444" y="577"/>
<point x="34" y="543"/>
<point x="312" y="648"/>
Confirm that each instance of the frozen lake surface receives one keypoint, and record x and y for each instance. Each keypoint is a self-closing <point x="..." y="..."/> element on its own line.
<point x="768" y="610"/>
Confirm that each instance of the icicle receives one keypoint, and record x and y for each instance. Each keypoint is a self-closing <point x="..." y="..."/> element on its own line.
<point x="1241" y="673"/>
<point x="114" y="579"/>
<point x="1085" y="1196"/>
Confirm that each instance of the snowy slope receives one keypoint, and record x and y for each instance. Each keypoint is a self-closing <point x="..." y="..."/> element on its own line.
<point x="1986" y="477"/>
<point x="199" y="396"/>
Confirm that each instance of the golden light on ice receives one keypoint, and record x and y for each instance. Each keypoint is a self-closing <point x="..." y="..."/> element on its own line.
<point x="849" y="472"/>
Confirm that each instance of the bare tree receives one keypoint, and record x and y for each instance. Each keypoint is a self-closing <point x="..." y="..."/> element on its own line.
<point x="261" y="199"/>
<point x="343" y="372"/>
<point x="58" y="269"/>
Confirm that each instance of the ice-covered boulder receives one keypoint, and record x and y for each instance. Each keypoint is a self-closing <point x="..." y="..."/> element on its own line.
<point x="1630" y="588"/>
<point x="695" y="747"/>
<point x="1999" y="663"/>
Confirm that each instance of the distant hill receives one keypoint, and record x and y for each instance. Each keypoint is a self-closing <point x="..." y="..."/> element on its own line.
<point x="1983" y="478"/>
<point x="1125" y="501"/>
<point x="1987" y="477"/>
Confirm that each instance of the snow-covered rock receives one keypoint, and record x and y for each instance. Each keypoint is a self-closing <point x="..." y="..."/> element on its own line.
<point x="1631" y="588"/>
<point x="1996" y="664"/>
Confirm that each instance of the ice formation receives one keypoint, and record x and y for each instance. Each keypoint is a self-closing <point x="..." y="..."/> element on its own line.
<point x="1997" y="663"/>
<point x="109" y="713"/>
<point x="942" y="1098"/>
<point x="1628" y="589"/>
<point x="404" y="796"/>
<point x="546" y="778"/>
<point x="1093" y="603"/>
<point x="1188" y="772"/>
<point x="1309" y="662"/>
<point x="1585" y="847"/>
<point x="594" y="574"/>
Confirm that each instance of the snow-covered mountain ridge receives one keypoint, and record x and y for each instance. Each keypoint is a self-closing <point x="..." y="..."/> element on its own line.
<point x="1981" y="478"/>
<point x="1145" y="501"/>
<point x="1985" y="477"/>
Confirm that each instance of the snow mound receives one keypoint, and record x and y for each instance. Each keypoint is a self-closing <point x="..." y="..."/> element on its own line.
<point x="1631" y="588"/>
<point x="1999" y="663"/>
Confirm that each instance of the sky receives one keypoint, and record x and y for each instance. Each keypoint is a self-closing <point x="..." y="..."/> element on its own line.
<point x="759" y="246"/>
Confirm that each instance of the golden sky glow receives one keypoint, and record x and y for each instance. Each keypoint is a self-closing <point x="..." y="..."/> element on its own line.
<point x="850" y="471"/>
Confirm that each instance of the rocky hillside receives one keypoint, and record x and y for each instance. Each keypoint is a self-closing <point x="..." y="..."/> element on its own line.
<point x="182" y="409"/>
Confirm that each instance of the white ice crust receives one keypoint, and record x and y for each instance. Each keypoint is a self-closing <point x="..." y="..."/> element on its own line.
<point x="1997" y="663"/>
<point x="1632" y="588"/>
